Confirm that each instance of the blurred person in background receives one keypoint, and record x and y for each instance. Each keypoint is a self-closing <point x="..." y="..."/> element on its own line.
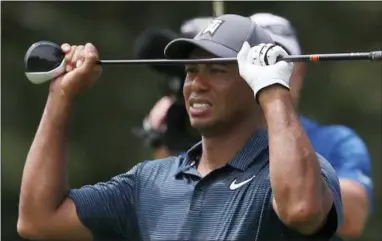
<point x="339" y="144"/>
<point x="166" y="130"/>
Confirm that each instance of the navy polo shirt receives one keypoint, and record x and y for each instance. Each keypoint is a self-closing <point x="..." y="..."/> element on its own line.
<point x="167" y="199"/>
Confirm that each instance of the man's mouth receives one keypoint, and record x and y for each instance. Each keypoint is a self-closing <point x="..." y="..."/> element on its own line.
<point x="199" y="107"/>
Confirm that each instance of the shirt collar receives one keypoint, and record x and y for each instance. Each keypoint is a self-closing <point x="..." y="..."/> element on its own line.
<point x="243" y="158"/>
<point x="189" y="158"/>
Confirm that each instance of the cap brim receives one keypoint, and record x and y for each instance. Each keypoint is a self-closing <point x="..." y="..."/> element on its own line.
<point x="182" y="47"/>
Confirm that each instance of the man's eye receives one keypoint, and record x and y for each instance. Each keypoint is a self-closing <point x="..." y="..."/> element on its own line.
<point x="217" y="70"/>
<point x="190" y="70"/>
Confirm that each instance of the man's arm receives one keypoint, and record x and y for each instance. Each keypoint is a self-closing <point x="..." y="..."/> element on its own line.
<point x="107" y="209"/>
<point x="47" y="211"/>
<point x="350" y="159"/>
<point x="301" y="196"/>
<point x="44" y="211"/>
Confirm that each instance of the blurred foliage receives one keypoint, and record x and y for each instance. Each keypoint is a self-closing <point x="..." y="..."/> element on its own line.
<point x="100" y="140"/>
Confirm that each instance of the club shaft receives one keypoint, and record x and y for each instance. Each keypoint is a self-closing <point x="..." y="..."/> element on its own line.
<point x="375" y="55"/>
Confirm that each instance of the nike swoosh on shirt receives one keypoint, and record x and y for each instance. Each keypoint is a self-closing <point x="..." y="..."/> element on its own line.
<point x="235" y="185"/>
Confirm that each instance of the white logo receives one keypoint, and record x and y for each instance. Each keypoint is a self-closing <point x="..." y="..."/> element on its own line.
<point x="235" y="185"/>
<point x="213" y="26"/>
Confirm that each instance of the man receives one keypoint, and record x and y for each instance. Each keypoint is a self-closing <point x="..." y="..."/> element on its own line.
<point x="241" y="182"/>
<point x="340" y="145"/>
<point x="166" y="129"/>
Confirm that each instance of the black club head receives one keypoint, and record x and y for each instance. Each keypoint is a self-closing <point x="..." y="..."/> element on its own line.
<point x="44" y="61"/>
<point x="43" y="56"/>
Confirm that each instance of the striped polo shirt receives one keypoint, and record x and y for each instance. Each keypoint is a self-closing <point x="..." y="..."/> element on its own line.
<point x="167" y="199"/>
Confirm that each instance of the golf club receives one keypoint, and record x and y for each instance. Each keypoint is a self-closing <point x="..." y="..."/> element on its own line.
<point x="44" y="60"/>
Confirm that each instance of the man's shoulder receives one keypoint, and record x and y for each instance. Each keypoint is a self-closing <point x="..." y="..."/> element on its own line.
<point x="165" y="162"/>
<point x="159" y="167"/>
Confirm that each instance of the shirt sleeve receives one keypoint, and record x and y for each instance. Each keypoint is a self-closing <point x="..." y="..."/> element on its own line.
<point x="107" y="208"/>
<point x="351" y="160"/>
<point x="334" y="218"/>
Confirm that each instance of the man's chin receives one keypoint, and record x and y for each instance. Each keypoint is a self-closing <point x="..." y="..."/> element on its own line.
<point x="200" y="124"/>
<point x="204" y="127"/>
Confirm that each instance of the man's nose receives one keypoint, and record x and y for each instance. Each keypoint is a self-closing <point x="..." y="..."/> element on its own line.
<point x="200" y="83"/>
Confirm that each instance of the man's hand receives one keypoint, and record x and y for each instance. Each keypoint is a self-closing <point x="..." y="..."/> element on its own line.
<point x="82" y="70"/>
<point x="258" y="67"/>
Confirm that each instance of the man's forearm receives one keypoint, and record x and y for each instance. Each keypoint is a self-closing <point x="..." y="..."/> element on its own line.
<point x="295" y="172"/>
<point x="44" y="177"/>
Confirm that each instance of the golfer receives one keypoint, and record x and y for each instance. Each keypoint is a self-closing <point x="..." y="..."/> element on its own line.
<point x="342" y="147"/>
<point x="254" y="175"/>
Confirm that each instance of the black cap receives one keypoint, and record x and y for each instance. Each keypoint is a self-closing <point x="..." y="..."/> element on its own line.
<point x="223" y="36"/>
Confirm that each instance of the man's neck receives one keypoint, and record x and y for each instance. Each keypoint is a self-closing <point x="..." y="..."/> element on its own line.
<point x="219" y="150"/>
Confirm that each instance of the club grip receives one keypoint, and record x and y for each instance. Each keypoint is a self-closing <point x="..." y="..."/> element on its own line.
<point x="44" y="61"/>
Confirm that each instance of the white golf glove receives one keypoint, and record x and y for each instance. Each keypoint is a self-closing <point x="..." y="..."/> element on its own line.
<point x="258" y="67"/>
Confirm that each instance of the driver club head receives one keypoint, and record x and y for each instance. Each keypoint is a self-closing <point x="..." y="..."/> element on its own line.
<point x="44" y="61"/>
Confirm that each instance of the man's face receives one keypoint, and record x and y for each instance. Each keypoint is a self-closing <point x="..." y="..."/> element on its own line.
<point x="215" y="95"/>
